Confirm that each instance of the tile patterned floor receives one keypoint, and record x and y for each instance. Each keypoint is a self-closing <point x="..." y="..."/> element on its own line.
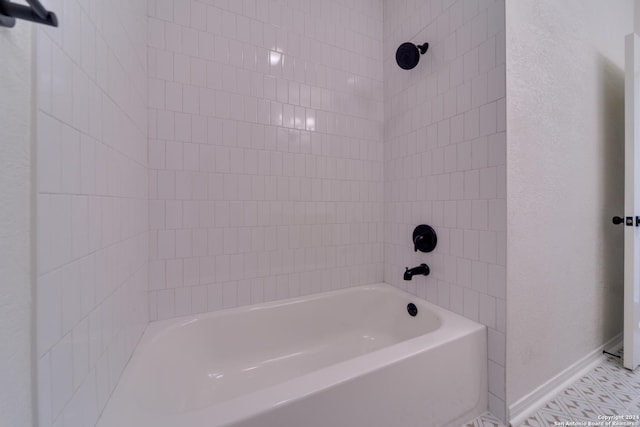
<point x="485" y="420"/>
<point x="607" y="390"/>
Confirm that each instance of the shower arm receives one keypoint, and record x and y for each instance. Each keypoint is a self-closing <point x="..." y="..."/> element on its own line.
<point x="35" y="12"/>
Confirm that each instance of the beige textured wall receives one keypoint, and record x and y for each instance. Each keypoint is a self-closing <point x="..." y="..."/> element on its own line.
<point x="565" y="166"/>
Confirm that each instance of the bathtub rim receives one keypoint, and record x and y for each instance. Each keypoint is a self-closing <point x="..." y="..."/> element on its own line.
<point x="157" y="328"/>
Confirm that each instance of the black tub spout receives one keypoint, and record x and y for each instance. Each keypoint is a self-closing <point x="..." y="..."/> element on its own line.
<point x="421" y="270"/>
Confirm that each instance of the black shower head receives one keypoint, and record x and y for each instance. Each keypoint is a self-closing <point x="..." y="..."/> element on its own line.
<point x="408" y="54"/>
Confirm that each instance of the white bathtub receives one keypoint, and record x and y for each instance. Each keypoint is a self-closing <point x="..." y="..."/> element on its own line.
<point x="353" y="357"/>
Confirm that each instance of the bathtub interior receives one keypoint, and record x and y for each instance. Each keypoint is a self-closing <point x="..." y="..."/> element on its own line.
<point x="209" y="359"/>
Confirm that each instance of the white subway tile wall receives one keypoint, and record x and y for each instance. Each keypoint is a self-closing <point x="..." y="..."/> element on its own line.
<point x="92" y="203"/>
<point x="265" y="150"/>
<point x="200" y="155"/>
<point x="444" y="161"/>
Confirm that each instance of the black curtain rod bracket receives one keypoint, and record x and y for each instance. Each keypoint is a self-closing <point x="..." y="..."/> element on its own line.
<point x="35" y="12"/>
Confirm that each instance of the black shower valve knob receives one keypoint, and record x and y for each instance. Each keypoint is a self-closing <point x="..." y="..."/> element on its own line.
<point x="424" y="238"/>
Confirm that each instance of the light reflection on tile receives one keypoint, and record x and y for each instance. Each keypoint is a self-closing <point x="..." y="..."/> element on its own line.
<point x="263" y="127"/>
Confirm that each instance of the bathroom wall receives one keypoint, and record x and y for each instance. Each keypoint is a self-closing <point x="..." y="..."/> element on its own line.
<point x="16" y="326"/>
<point x="92" y="215"/>
<point x="565" y="63"/>
<point x="265" y="150"/>
<point x="444" y="161"/>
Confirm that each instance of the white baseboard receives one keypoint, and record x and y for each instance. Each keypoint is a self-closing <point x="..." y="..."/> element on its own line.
<point x="527" y="405"/>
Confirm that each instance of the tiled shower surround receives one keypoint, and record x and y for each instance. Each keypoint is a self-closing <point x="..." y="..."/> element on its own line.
<point x="92" y="220"/>
<point x="199" y="155"/>
<point x="444" y="161"/>
<point x="265" y="150"/>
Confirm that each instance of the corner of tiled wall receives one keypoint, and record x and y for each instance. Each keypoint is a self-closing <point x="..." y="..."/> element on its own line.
<point x="92" y="219"/>
<point x="445" y="156"/>
<point x="265" y="150"/>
